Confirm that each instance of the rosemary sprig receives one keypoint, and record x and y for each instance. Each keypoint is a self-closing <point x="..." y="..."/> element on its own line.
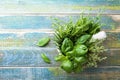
<point x="68" y="33"/>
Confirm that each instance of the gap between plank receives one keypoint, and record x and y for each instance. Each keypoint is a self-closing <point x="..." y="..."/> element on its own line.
<point x="23" y="31"/>
<point x="4" y="67"/>
<point x="40" y="48"/>
<point x="55" y="13"/>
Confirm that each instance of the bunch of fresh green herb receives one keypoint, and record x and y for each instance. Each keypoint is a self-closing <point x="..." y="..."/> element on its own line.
<point x="77" y="48"/>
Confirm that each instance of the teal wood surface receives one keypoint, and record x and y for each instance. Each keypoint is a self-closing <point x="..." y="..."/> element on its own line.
<point x="20" y="58"/>
<point x="31" y="57"/>
<point x="27" y="39"/>
<point x="45" y="22"/>
<point x="52" y="73"/>
<point x="59" y="6"/>
<point x="24" y="22"/>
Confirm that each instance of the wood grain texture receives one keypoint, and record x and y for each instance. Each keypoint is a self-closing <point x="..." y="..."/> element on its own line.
<point x="25" y="31"/>
<point x="20" y="57"/>
<point x="112" y="40"/>
<point x="30" y="39"/>
<point x="59" y="6"/>
<point x="20" y="34"/>
<point x="111" y="22"/>
<point x="58" y="74"/>
<point x="24" y="39"/>
<point x="31" y="56"/>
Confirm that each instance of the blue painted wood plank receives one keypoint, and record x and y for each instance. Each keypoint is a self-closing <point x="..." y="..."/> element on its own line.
<point x="27" y="57"/>
<point x="30" y="39"/>
<point x="31" y="6"/>
<point x="25" y="39"/>
<point x="58" y="74"/>
<point x="31" y="56"/>
<point x="18" y="49"/>
<point x="45" y="22"/>
<point x="72" y="2"/>
<point x="24" y="22"/>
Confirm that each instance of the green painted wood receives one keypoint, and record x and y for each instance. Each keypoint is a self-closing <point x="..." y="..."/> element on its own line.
<point x="108" y="73"/>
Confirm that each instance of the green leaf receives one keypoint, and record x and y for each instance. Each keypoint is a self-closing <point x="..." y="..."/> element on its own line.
<point x="81" y="50"/>
<point x="67" y="45"/>
<point x="83" y="39"/>
<point x="43" y="41"/>
<point x="60" y="58"/>
<point x="73" y="39"/>
<point x="67" y="66"/>
<point x="45" y="58"/>
<point x="78" y="69"/>
<point x="80" y="60"/>
<point x="70" y="53"/>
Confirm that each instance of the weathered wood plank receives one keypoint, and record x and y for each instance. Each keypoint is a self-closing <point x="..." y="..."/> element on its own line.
<point x="19" y="50"/>
<point x="45" y="22"/>
<point x="24" y="39"/>
<point x="113" y="58"/>
<point x="29" y="38"/>
<point x="31" y="6"/>
<point x="58" y="74"/>
<point x="31" y="56"/>
<point x="113" y="40"/>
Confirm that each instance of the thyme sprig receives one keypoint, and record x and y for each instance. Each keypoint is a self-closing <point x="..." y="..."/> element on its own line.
<point x="83" y="51"/>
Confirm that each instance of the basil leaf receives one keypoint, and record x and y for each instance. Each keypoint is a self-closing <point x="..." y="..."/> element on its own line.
<point x="83" y="39"/>
<point x="60" y="58"/>
<point x="81" y="50"/>
<point x="43" y="41"/>
<point x="67" y="45"/>
<point x="45" y="58"/>
<point x="67" y="66"/>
